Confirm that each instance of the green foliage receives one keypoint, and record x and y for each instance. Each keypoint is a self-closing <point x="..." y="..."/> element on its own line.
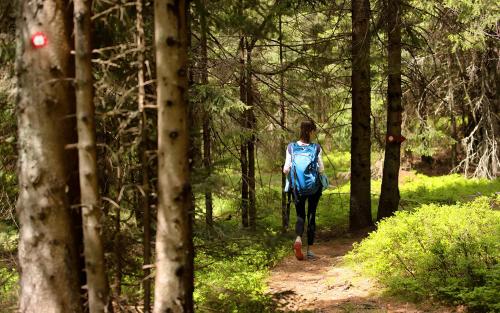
<point x="476" y="19"/>
<point x="219" y="101"/>
<point x="449" y="252"/>
<point x="8" y="289"/>
<point x="8" y="274"/>
<point x="8" y="177"/>
<point x="449" y="189"/>
<point x="231" y="272"/>
<point x="7" y="49"/>
<point x="428" y="140"/>
<point x="8" y="238"/>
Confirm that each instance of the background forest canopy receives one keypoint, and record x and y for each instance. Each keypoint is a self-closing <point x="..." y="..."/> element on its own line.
<point x="256" y="70"/>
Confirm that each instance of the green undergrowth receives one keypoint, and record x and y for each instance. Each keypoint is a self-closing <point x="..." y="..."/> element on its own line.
<point x="231" y="267"/>
<point x="229" y="284"/>
<point x="447" y="252"/>
<point x="8" y="274"/>
<point x="421" y="189"/>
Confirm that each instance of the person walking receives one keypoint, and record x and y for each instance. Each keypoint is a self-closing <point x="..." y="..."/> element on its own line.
<point x="304" y="165"/>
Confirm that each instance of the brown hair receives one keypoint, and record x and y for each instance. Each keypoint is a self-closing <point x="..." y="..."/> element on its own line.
<point x="306" y="127"/>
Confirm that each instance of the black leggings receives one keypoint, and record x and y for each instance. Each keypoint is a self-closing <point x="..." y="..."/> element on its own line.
<point x="300" y="207"/>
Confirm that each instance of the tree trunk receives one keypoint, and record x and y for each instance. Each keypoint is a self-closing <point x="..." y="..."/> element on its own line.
<point x="493" y="93"/>
<point x="451" y="107"/>
<point x="117" y="244"/>
<point x="144" y="203"/>
<point x="360" y="202"/>
<point x="207" y="159"/>
<point x="389" y="196"/>
<point x="97" y="282"/>
<point x="244" y="146"/>
<point x="174" y="274"/>
<point x="47" y="255"/>
<point x="252" y="212"/>
<point x="285" y="212"/>
<point x="192" y="128"/>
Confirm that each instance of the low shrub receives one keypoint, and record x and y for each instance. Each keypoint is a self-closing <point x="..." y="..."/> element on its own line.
<point x="449" y="252"/>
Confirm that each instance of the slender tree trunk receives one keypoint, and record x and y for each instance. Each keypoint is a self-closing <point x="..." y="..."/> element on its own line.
<point x="174" y="276"/>
<point x="451" y="107"/>
<point x="117" y="246"/>
<point x="360" y="202"/>
<point x="244" y="146"/>
<point x="252" y="212"/>
<point x="389" y="196"/>
<point x="285" y="214"/>
<point x="207" y="159"/>
<point x="47" y="255"/>
<point x="97" y="282"/>
<point x="191" y="202"/>
<point x="144" y="203"/>
<point x="195" y="149"/>
<point x="493" y="93"/>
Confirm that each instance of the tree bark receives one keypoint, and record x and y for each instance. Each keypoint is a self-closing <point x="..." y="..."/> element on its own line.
<point x="47" y="255"/>
<point x="174" y="274"/>
<point x="117" y="243"/>
<point x="389" y="196"/>
<point x="360" y="202"/>
<point x="451" y="107"/>
<point x="493" y="93"/>
<point x="285" y="211"/>
<point x="243" y="146"/>
<point x="252" y="211"/>
<point x="144" y="203"/>
<point x="97" y="282"/>
<point x="207" y="158"/>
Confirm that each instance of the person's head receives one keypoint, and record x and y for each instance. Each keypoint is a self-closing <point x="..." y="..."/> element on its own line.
<point x="307" y="131"/>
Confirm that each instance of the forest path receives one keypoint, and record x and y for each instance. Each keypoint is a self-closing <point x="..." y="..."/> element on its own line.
<point x="326" y="285"/>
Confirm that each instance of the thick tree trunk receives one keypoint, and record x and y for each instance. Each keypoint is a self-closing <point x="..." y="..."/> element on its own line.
<point x="207" y="158"/>
<point x="244" y="146"/>
<point x="174" y="276"/>
<point x="360" y="202"/>
<point x="144" y="202"/>
<point x="285" y="212"/>
<point x="389" y="196"/>
<point x="97" y="282"/>
<point x="252" y="211"/>
<point x="47" y="255"/>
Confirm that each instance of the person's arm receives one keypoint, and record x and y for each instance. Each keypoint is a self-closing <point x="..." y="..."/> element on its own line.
<point x="320" y="162"/>
<point x="288" y="162"/>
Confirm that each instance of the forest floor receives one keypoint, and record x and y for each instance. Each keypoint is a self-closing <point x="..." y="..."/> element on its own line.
<point x="327" y="285"/>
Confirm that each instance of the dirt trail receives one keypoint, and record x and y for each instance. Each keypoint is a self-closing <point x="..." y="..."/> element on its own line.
<point x="325" y="285"/>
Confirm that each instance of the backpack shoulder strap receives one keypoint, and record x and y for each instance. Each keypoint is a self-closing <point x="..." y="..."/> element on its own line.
<point x="318" y="150"/>
<point x="291" y="147"/>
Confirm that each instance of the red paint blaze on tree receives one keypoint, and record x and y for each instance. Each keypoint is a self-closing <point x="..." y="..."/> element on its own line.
<point x="39" y="40"/>
<point x="398" y="139"/>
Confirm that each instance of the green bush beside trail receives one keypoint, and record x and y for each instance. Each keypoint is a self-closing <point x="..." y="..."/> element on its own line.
<point x="449" y="252"/>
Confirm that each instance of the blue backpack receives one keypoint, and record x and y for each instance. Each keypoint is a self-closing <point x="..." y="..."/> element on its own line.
<point x="304" y="173"/>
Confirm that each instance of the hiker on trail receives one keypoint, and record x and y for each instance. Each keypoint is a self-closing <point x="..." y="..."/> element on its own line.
<point x="304" y="165"/>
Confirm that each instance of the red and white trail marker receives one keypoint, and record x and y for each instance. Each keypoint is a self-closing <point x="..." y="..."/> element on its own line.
<point x="397" y="139"/>
<point x="39" y="40"/>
